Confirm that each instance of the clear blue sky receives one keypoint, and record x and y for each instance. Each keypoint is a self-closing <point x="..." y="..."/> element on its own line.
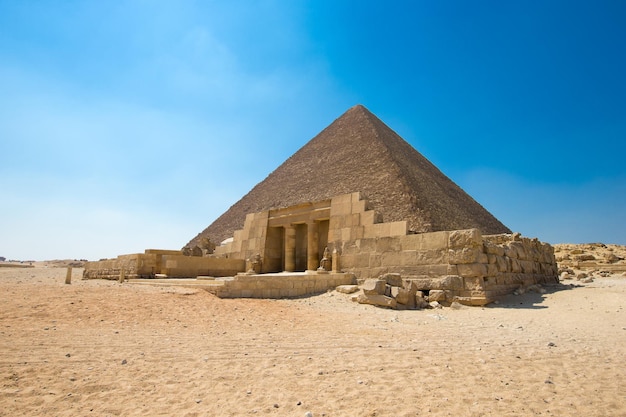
<point x="127" y="125"/>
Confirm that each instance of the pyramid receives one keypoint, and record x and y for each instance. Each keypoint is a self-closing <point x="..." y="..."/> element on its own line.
<point x="359" y="153"/>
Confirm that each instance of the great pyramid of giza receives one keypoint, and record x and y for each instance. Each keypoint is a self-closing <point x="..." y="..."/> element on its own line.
<point x="358" y="152"/>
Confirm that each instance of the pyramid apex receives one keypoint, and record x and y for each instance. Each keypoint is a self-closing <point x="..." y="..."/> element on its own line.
<point x="359" y="153"/>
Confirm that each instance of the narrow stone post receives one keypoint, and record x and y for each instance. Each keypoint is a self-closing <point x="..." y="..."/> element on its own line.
<point x="122" y="275"/>
<point x="68" y="275"/>
<point x="290" y="248"/>
<point x="335" y="260"/>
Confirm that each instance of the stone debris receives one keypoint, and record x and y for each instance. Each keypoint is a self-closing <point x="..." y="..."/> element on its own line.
<point x="604" y="259"/>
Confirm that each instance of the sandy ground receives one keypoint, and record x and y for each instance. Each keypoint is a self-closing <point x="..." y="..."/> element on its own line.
<point x="100" y="348"/>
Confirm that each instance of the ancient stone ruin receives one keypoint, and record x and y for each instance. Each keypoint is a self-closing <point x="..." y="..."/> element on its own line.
<point x="357" y="205"/>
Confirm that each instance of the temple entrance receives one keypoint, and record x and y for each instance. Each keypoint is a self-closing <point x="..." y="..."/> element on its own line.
<point x="296" y="237"/>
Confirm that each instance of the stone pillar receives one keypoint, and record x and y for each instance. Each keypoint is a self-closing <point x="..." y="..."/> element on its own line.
<point x="68" y="275"/>
<point x="312" y="251"/>
<point x="335" y="266"/>
<point x="290" y="248"/>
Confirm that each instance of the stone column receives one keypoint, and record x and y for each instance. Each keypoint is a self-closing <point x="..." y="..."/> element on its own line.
<point x="290" y="248"/>
<point x="68" y="275"/>
<point x="312" y="251"/>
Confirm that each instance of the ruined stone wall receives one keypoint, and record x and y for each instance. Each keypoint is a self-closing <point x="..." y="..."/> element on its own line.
<point x="135" y="266"/>
<point x="170" y="263"/>
<point x="460" y="265"/>
<point x="179" y="266"/>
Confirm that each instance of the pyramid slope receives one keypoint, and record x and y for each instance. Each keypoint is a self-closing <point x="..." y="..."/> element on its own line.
<point x="358" y="152"/>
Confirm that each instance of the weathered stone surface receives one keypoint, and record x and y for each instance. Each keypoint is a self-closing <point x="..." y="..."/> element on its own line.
<point x="392" y="279"/>
<point x="465" y="238"/>
<point x="436" y="295"/>
<point x="374" y="286"/>
<point x="347" y="289"/>
<point x="473" y="270"/>
<point x="451" y="282"/>
<point x="377" y="300"/>
<point x="404" y="297"/>
<point x="464" y="255"/>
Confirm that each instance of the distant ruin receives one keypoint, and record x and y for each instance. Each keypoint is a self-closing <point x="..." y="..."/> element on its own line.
<point x="356" y="205"/>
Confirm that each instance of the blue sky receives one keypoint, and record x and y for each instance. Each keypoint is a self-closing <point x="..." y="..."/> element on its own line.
<point x="127" y="125"/>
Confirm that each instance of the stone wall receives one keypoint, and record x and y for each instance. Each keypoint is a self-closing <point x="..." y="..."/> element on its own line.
<point x="179" y="266"/>
<point x="279" y="285"/>
<point x="460" y="265"/>
<point x="134" y="266"/>
<point x="166" y="262"/>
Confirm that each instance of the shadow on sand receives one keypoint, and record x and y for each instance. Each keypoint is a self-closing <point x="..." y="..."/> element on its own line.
<point x="531" y="299"/>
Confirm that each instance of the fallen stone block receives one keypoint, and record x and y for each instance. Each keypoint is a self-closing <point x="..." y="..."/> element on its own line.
<point x="377" y="300"/>
<point x="347" y="289"/>
<point x="436" y="295"/>
<point x="393" y="279"/>
<point x="374" y="286"/>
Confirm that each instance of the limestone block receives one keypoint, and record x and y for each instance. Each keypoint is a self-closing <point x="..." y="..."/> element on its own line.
<point x="374" y="286"/>
<point x="515" y="265"/>
<point x="493" y="249"/>
<point x="391" y="259"/>
<point x="434" y="240"/>
<point x="528" y="267"/>
<point x="483" y="258"/>
<point x="348" y="261"/>
<point x="465" y="239"/>
<point x="464" y="255"/>
<point x="365" y="245"/>
<point x="519" y="249"/>
<point x="474" y="284"/>
<point x="361" y="260"/>
<point x="502" y="264"/>
<point x="430" y="270"/>
<point x="377" y="300"/>
<point x="404" y="297"/>
<point x="472" y="270"/>
<point x="491" y="258"/>
<point x="392" y="279"/>
<point x="492" y="270"/>
<point x="408" y="257"/>
<point x="436" y="295"/>
<point x="451" y="282"/>
<point x="368" y="217"/>
<point x="398" y="228"/>
<point x="347" y="289"/>
<point x="388" y="244"/>
<point x="357" y="203"/>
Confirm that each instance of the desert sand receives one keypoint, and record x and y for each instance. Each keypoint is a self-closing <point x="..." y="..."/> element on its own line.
<point x="100" y="348"/>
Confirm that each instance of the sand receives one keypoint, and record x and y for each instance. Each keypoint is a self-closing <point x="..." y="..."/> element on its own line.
<point x="100" y="348"/>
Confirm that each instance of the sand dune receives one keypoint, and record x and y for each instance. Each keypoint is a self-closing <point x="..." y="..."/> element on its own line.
<point x="104" y="349"/>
